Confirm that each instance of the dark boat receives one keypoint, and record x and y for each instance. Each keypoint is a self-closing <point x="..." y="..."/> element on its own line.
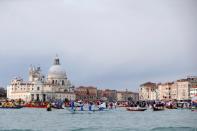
<point x="158" y="108"/>
<point x="55" y="107"/>
<point x="15" y="107"/>
<point x="49" y="109"/>
<point x="136" y="109"/>
<point x="168" y="107"/>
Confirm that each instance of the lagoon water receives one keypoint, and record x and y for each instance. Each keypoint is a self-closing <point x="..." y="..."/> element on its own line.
<point x="114" y="120"/>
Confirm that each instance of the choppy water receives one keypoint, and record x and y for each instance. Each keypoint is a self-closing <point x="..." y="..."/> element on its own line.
<point x="114" y="120"/>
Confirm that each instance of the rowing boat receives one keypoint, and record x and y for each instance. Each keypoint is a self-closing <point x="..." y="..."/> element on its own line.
<point x="16" y="107"/>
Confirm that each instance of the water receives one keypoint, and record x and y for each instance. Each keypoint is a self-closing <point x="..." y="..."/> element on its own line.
<point x="115" y="120"/>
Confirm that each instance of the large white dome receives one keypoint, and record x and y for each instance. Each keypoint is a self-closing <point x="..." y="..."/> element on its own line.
<point x="56" y="72"/>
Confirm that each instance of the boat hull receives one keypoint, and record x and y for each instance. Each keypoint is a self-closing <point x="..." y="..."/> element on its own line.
<point x="18" y="107"/>
<point x="30" y="106"/>
<point x="158" y="109"/>
<point x="129" y="109"/>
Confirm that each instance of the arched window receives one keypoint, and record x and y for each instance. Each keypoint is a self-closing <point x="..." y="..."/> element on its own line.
<point x="38" y="88"/>
<point x="55" y="81"/>
<point x="63" y="82"/>
<point x="52" y="81"/>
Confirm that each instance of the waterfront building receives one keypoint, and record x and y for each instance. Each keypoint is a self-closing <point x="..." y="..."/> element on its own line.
<point x="88" y="93"/>
<point x="173" y="91"/>
<point x="148" y="91"/>
<point x="38" y="88"/>
<point x="167" y="91"/>
<point x="124" y="96"/>
<point x="187" y="88"/>
<point x="107" y="95"/>
<point x="99" y="94"/>
<point x="193" y="89"/>
<point x="183" y="89"/>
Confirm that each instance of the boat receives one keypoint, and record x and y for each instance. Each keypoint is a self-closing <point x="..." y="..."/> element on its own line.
<point x="194" y="104"/>
<point x="136" y="109"/>
<point x="183" y="105"/>
<point x="35" y="106"/>
<point x="194" y="109"/>
<point x="171" y="107"/>
<point x="56" y="107"/>
<point x="15" y="107"/>
<point x="158" y="108"/>
<point x="49" y="109"/>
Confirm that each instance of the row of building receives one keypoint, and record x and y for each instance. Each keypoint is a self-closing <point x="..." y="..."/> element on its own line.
<point x="57" y="86"/>
<point x="181" y="90"/>
<point x="92" y="94"/>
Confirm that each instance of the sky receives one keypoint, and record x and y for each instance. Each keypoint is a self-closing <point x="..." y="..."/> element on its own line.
<point x="114" y="44"/>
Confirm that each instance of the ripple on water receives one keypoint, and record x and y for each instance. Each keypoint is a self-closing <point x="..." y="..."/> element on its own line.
<point x="105" y="129"/>
<point x="16" y="130"/>
<point x="174" y="129"/>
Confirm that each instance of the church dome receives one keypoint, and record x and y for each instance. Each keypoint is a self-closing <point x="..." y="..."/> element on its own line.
<point x="56" y="71"/>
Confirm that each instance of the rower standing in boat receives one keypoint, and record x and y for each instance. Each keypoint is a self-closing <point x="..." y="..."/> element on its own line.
<point x="115" y="105"/>
<point x="81" y="106"/>
<point x="90" y="106"/>
<point x="111" y="105"/>
<point x="72" y="105"/>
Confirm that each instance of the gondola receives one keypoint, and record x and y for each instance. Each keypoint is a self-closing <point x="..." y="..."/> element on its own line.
<point x="136" y="109"/>
<point x="158" y="108"/>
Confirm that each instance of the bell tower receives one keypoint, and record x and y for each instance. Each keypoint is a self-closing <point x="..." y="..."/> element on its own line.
<point x="30" y="73"/>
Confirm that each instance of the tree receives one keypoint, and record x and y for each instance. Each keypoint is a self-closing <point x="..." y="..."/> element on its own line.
<point x="2" y="92"/>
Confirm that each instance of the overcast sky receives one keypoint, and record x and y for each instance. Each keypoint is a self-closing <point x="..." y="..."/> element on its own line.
<point x="114" y="44"/>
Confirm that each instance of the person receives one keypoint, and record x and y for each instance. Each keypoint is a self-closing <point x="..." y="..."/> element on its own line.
<point x="49" y="107"/>
<point x="106" y="105"/>
<point x="81" y="106"/>
<point x="72" y="105"/>
<point x="115" y="105"/>
<point x="111" y="105"/>
<point x="90" y="106"/>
